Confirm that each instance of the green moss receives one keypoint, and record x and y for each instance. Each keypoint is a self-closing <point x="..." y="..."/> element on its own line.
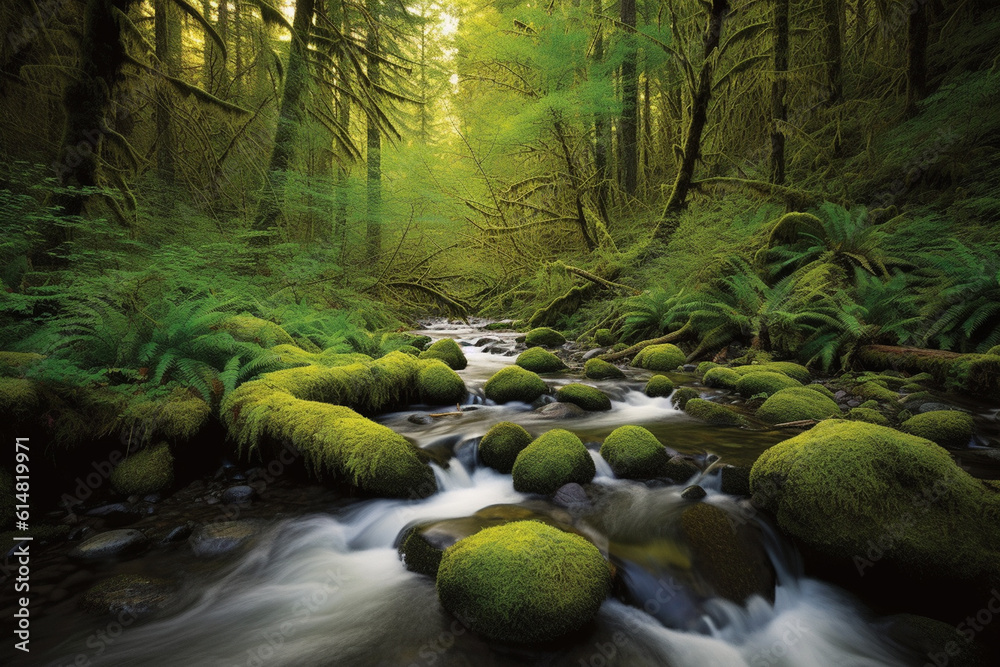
<point x="418" y="555"/>
<point x="439" y="385"/>
<point x="410" y="350"/>
<point x="873" y="390"/>
<point x="721" y="378"/>
<point x="584" y="396"/>
<point x="539" y="360"/>
<point x="869" y="415"/>
<point x="903" y="415"/>
<point x="634" y="453"/>
<point x="604" y="337"/>
<point x="705" y="367"/>
<point x="420" y="342"/>
<point x="766" y="383"/>
<point x="948" y="428"/>
<point x="523" y="582"/>
<point x="447" y="351"/>
<point x="821" y="389"/>
<point x="792" y="370"/>
<point x="502" y="443"/>
<point x="618" y="347"/>
<point x="659" y="386"/>
<point x="148" y="471"/>
<point x="870" y="405"/>
<point x="18" y="396"/>
<point x="795" y="404"/>
<point x="664" y="357"/>
<point x="713" y="413"/>
<point x="544" y="337"/>
<point x="15" y="363"/>
<point x="843" y="486"/>
<point x="252" y="329"/>
<point x="912" y="388"/>
<point x="681" y="396"/>
<point x="514" y="384"/>
<point x="598" y="369"/>
<point x="292" y="355"/>
<point x="552" y="460"/>
<point x="177" y="418"/>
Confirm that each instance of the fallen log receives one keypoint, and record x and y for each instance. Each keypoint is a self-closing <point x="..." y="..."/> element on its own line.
<point x="973" y="373"/>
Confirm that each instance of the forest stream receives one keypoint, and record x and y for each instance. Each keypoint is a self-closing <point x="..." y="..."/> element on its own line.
<point x="326" y="586"/>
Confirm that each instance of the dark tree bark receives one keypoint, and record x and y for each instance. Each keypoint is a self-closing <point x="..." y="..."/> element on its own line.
<point x="601" y="129"/>
<point x="630" y="109"/>
<point x="832" y="10"/>
<point x="916" y="56"/>
<point x="779" y="109"/>
<point x="699" y="116"/>
<point x="373" y="230"/>
<point x="168" y="45"/>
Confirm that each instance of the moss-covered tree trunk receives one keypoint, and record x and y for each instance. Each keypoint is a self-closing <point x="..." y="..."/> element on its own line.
<point x="629" y="125"/>
<point x="601" y="127"/>
<point x="373" y="229"/>
<point x="168" y="45"/>
<point x="779" y="110"/>
<point x="832" y="10"/>
<point x="916" y="56"/>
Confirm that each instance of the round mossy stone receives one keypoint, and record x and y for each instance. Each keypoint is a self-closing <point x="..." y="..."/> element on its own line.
<point x="545" y="337"/>
<point x="821" y="389"/>
<point x="147" y="471"/>
<point x="447" y="351"/>
<point x="873" y="390"/>
<point x="439" y="385"/>
<point x="539" y="360"/>
<point x="604" y="337"/>
<point x="948" y="428"/>
<point x="713" y="413"/>
<point x="764" y="382"/>
<point x="514" y="384"/>
<point x="705" y="367"/>
<point x="523" y="582"/>
<point x="867" y="415"/>
<point x="721" y="377"/>
<point x="634" y="453"/>
<point x="584" y="396"/>
<point x="659" y="386"/>
<point x="552" y="460"/>
<point x="665" y="357"/>
<point x="795" y="404"/>
<point x="679" y="399"/>
<point x="598" y="369"/>
<point x="792" y="370"/>
<point x="502" y="443"/>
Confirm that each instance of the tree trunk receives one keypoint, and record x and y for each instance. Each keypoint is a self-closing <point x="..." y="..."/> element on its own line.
<point x="779" y="110"/>
<point x="630" y="108"/>
<point x="373" y="231"/>
<point x="168" y="44"/>
<point x="601" y="129"/>
<point x="831" y="19"/>
<point x="699" y="116"/>
<point x="290" y="116"/>
<point x="916" y="57"/>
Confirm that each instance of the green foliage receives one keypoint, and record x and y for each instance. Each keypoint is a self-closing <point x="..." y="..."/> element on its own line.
<point x="584" y="396"/>
<point x="634" y="453"/>
<point x="502" y="443"/>
<point x="555" y="458"/>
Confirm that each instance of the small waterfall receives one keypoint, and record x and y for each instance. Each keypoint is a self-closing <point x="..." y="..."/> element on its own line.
<point x="603" y="469"/>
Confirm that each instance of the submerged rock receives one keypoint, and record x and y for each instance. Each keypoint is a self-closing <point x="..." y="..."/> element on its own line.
<point x="216" y="539"/>
<point x="131" y="594"/>
<point x="111" y="544"/>
<point x="560" y="410"/>
<point x="572" y="497"/>
<point x="693" y="492"/>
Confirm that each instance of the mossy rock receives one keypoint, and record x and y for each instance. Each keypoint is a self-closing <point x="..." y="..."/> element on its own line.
<point x="659" y="386"/>
<point x="177" y="418"/>
<point x="735" y="480"/>
<point x="250" y="329"/>
<point x="679" y="399"/>
<point x="843" y="486"/>
<point x="439" y="385"/>
<point x="18" y="396"/>
<point x="420" y="342"/>
<point x="665" y="357"/>
<point x="447" y="351"/>
<point x="634" y="453"/>
<point x="418" y="554"/>
<point x="727" y="556"/>
<point x="870" y="405"/>
<point x="148" y="471"/>
<point x="791" y="369"/>
<point x="766" y="383"/>
<point x="796" y="404"/>
<point x="584" y="396"/>
<point x="948" y="428"/>
<point x="502" y="443"/>
<point x="604" y="337"/>
<point x="598" y="369"/>
<point x="875" y="391"/>
<point x="618" y="347"/>
<point x="713" y="413"/>
<point x="539" y="360"/>
<point x="410" y="350"/>
<point x="821" y="389"/>
<point x="544" y="337"/>
<point x="912" y="388"/>
<point x="705" y="367"/>
<point x="552" y="460"/>
<point x="523" y="582"/>
<point x="867" y="415"/>
<point x="514" y="384"/>
<point x="721" y="377"/>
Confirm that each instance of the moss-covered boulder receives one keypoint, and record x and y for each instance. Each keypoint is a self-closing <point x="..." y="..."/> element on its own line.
<point x="17" y="396"/>
<point x="791" y="369"/>
<point x="864" y="493"/>
<point x="502" y="443"/>
<point x="598" y="369"/>
<point x="514" y="384"/>
<point x="721" y="377"/>
<point x="705" y="367"/>
<point x="679" y="399"/>
<point x="875" y="391"/>
<point x="439" y="385"/>
<point x="795" y="404"/>
<point x="665" y="357"/>
<point x="764" y="383"/>
<point x="584" y="396"/>
<point x="659" y="386"/>
<point x="447" y="351"/>
<point x="634" y="453"/>
<point x="713" y="413"/>
<point x="948" y="428"/>
<point x="539" y="360"/>
<point x="555" y="458"/>
<point x="250" y="329"/>
<point x="144" y="472"/>
<point x="176" y="417"/>
<point x="604" y="337"/>
<point x="821" y="389"/>
<point x="869" y="415"/>
<point x="523" y="582"/>
<point x="544" y="337"/>
<point x="410" y="350"/>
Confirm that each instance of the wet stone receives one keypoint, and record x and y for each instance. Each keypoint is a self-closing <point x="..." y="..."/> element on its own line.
<point x="238" y="495"/>
<point x="693" y="492"/>
<point x="110" y="544"/>
<point x="572" y="497"/>
<point x="216" y="539"/>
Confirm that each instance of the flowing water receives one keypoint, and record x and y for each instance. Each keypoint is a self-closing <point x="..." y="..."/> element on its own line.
<point x="328" y="588"/>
